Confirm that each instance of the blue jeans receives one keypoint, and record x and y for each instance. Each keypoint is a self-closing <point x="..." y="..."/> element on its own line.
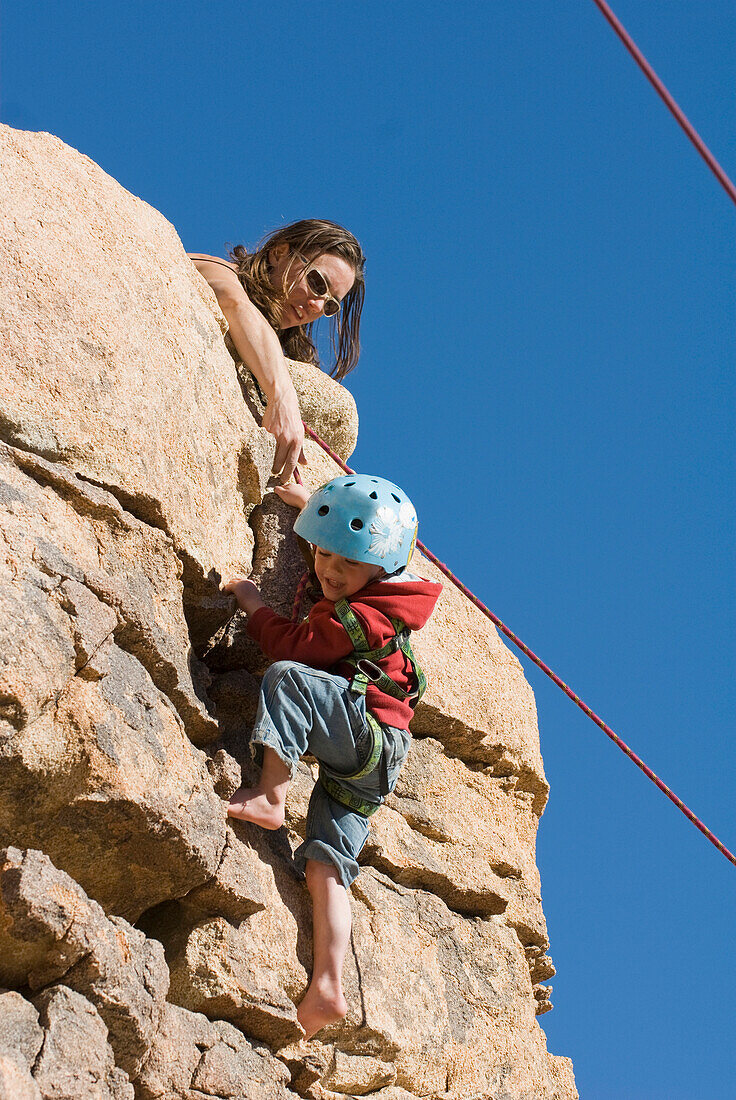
<point x="304" y="709"/>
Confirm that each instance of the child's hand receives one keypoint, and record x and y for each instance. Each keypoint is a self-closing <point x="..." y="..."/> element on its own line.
<point x="245" y="592"/>
<point x="293" y="494"/>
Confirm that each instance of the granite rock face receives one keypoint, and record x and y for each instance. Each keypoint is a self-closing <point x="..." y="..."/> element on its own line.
<point x="21" y="1039"/>
<point x="150" y="948"/>
<point x="192" y="1058"/>
<point x="50" y="930"/>
<point x="76" y="1061"/>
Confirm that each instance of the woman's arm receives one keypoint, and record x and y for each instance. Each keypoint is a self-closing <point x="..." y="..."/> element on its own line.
<point x="258" y="346"/>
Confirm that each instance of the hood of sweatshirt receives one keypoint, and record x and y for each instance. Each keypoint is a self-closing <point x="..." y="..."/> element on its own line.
<point x="404" y="596"/>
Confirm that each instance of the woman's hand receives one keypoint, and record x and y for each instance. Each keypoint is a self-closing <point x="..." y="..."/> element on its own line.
<point x="283" y="420"/>
<point x="293" y="494"/>
<point x="245" y="592"/>
<point x="258" y="347"/>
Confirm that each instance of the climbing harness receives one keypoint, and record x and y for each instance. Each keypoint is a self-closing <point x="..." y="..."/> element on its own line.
<point x="556" y="679"/>
<point x="365" y="662"/>
<point x="364" y="659"/>
<point x="667" y="98"/>
<point x="333" y="782"/>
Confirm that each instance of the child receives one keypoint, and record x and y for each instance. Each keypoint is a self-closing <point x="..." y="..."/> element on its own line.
<point x="343" y="688"/>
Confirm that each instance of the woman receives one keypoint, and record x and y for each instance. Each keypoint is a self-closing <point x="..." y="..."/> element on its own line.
<point x="271" y="298"/>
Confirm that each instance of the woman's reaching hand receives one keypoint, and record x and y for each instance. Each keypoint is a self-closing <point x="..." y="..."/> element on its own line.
<point x="283" y="420"/>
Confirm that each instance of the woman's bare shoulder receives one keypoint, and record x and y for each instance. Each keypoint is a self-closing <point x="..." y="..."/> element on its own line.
<point x="203" y="258"/>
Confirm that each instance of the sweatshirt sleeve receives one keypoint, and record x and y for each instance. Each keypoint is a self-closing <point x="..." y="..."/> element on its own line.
<point x="321" y="641"/>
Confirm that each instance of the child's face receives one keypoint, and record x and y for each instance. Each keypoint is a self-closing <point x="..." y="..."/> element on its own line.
<point x="340" y="577"/>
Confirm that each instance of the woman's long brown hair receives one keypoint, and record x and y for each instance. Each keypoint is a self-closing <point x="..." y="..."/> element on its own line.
<point x="311" y="238"/>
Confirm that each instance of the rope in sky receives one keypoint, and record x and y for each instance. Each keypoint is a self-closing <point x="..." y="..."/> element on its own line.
<point x="553" y="676"/>
<point x="659" y="87"/>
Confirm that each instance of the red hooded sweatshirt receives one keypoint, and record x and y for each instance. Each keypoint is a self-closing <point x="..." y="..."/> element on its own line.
<point x="322" y="641"/>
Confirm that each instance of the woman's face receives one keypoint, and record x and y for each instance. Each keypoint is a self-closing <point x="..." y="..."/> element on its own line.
<point x="288" y="269"/>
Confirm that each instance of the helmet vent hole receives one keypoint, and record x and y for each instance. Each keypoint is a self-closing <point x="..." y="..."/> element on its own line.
<point x="323" y="510"/>
<point x="348" y="484"/>
<point x="356" y="524"/>
<point x="397" y="499"/>
<point x="373" y="496"/>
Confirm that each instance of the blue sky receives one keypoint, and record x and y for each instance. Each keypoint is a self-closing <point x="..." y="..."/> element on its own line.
<point x="547" y="370"/>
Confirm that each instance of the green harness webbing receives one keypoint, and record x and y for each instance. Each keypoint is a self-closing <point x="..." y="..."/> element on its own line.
<point x="332" y="783"/>
<point x="363" y="659"/>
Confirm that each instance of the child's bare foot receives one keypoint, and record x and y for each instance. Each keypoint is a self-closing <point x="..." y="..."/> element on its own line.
<point x="251" y="804"/>
<point x="322" y="1004"/>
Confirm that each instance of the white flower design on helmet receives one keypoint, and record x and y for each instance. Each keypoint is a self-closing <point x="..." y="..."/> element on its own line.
<point x="407" y="515"/>
<point x="387" y="532"/>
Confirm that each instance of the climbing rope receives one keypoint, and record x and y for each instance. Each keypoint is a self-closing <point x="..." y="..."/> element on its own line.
<point x="299" y="596"/>
<point x="662" y="92"/>
<point x="553" y="676"/>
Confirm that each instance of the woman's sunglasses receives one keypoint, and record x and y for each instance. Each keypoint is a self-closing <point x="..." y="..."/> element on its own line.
<point x="319" y="287"/>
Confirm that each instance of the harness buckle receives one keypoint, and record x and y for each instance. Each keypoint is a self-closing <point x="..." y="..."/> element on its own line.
<point x="377" y="676"/>
<point x="373" y="672"/>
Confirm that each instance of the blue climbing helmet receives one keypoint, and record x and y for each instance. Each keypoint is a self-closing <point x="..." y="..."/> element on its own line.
<point x="363" y="518"/>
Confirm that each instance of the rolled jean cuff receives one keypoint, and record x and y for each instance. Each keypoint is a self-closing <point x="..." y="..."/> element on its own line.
<point x="262" y="738"/>
<point x="347" y="868"/>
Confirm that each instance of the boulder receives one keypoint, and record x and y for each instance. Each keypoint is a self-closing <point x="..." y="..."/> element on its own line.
<point x="192" y="1058"/>
<point x="116" y="577"/>
<point x="326" y="406"/>
<point x="445" y="999"/>
<point x="134" y="474"/>
<point x="440" y="1006"/>
<point x="50" y="929"/>
<point x="244" y="975"/>
<point x="76" y="1061"/>
<point x="104" y="320"/>
<point x="97" y="695"/>
<point x="20" y="1032"/>
<point x="113" y="362"/>
<point x="21" y="1039"/>
<point x="241" y="886"/>
<point x="250" y="969"/>
<point x="467" y="836"/>
<point x="478" y="703"/>
<point x="16" y="1082"/>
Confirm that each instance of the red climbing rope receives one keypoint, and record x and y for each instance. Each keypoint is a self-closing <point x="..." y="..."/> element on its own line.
<point x="659" y="87"/>
<point x="553" y="676"/>
<point x="299" y="595"/>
